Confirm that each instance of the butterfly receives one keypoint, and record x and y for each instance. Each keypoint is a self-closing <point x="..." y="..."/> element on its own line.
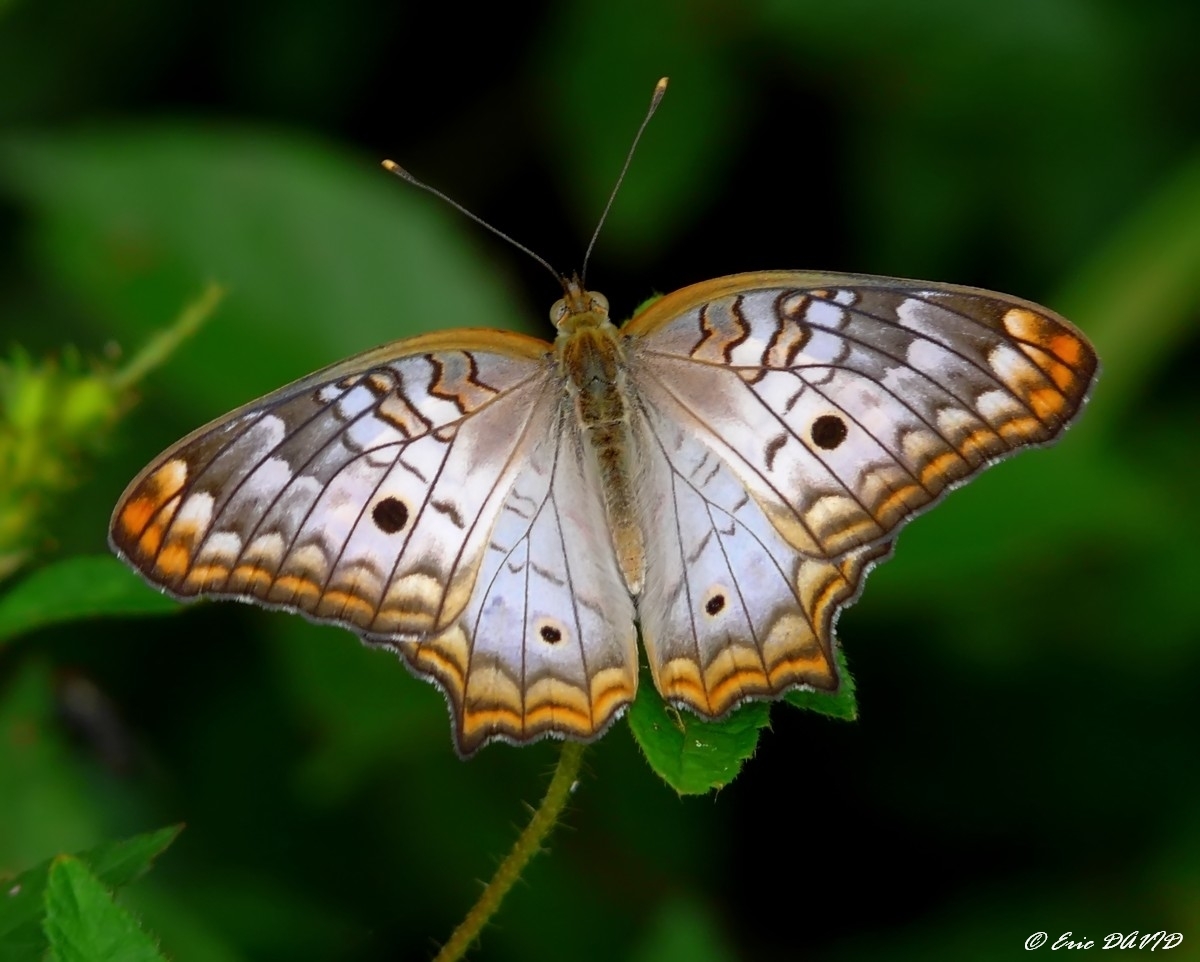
<point x="722" y="470"/>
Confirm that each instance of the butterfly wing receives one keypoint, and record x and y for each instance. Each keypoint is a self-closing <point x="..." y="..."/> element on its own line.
<point x="730" y="610"/>
<point x="827" y="410"/>
<point x="547" y="641"/>
<point x="374" y="495"/>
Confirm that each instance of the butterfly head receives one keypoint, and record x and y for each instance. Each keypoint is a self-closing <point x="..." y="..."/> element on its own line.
<point x="578" y="308"/>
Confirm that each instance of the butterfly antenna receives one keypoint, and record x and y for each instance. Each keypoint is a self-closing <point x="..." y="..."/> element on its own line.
<point x="394" y="168"/>
<point x="660" y="88"/>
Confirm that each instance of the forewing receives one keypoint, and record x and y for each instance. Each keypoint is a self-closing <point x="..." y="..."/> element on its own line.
<point x="847" y="403"/>
<point x="363" y="495"/>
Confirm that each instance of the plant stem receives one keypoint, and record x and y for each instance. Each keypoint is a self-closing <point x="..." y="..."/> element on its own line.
<point x="165" y="342"/>
<point x="528" y="844"/>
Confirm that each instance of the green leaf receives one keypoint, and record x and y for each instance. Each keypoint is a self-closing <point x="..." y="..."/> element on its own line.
<point x="114" y="863"/>
<point x="84" y="924"/>
<point x="77" y="588"/>
<point x="694" y="756"/>
<point x="691" y="755"/>
<point x="841" y="704"/>
<point x="126" y="860"/>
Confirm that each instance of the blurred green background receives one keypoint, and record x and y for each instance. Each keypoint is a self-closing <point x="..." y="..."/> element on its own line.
<point x="1028" y="665"/>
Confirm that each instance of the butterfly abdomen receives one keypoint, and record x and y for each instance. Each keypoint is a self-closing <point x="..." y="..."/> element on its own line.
<point x="593" y="366"/>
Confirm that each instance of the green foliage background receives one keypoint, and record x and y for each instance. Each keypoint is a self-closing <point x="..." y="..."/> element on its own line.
<point x="1028" y="666"/>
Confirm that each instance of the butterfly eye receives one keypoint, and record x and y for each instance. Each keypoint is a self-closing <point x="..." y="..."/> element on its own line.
<point x="561" y="310"/>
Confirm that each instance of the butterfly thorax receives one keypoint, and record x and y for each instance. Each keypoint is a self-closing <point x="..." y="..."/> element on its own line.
<point x="591" y="362"/>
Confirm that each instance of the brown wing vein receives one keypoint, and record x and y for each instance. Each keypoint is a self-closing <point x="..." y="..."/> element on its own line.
<point x="587" y="675"/>
<point x="737" y="522"/>
<point x="457" y="562"/>
<point x="782" y="498"/>
<point x="987" y="372"/>
<point x="218" y="513"/>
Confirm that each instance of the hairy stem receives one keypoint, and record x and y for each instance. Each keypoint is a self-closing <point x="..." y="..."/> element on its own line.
<point x="528" y="844"/>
